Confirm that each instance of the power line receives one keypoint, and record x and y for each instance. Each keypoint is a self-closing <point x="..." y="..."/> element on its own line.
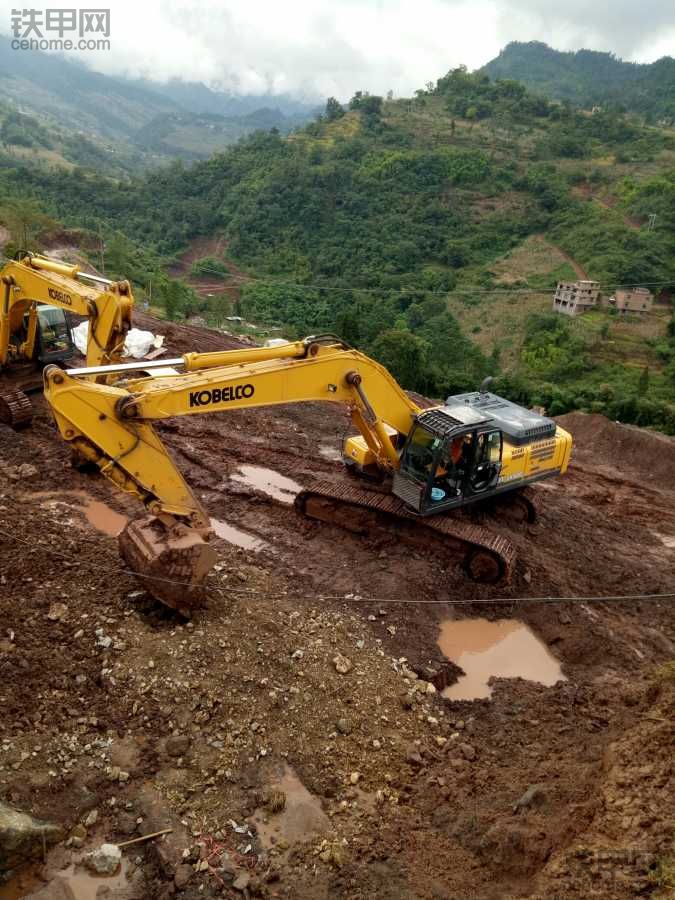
<point x="315" y="286"/>
<point x="354" y="598"/>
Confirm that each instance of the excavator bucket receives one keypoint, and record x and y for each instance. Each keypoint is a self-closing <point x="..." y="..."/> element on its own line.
<point x="171" y="564"/>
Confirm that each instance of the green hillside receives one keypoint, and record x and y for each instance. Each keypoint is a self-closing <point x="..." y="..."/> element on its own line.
<point x="588" y="78"/>
<point x="429" y="232"/>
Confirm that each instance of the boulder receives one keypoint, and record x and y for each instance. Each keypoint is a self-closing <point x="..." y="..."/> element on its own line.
<point x="22" y="837"/>
<point x="105" y="860"/>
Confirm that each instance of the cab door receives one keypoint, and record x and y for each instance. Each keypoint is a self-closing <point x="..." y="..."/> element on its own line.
<point x="486" y="465"/>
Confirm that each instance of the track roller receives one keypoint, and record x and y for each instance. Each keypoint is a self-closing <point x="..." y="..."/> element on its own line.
<point x="16" y="410"/>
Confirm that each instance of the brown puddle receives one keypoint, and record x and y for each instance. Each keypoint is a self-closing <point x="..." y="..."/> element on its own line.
<point x="97" y="513"/>
<point x="301" y="818"/>
<point x="506" y="648"/>
<point x="269" y="482"/>
<point x="237" y="537"/>
<point x="81" y="884"/>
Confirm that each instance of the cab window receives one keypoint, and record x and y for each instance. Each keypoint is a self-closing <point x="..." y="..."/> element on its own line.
<point x="489" y="447"/>
<point x="418" y="460"/>
<point x="53" y="330"/>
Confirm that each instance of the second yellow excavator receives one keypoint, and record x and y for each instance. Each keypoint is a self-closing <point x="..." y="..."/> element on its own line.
<point x="37" y="294"/>
<point x="418" y="466"/>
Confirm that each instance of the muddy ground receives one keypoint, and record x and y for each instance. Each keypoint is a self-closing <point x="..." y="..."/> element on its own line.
<point x="119" y="714"/>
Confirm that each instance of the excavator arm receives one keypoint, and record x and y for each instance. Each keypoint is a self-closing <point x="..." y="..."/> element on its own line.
<point x="36" y="279"/>
<point x="111" y="424"/>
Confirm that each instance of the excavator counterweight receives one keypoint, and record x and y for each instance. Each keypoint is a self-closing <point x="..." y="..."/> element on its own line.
<point x="420" y="467"/>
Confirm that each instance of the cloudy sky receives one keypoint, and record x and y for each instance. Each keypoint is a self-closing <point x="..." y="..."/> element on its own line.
<point x="334" y="47"/>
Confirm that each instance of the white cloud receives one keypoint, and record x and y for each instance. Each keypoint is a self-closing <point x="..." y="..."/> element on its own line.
<point x="323" y="47"/>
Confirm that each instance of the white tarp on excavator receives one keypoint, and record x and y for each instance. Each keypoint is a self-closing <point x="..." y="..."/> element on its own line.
<point x="138" y="343"/>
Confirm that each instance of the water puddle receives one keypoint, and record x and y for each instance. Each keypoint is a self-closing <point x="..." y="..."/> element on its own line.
<point x="328" y="451"/>
<point x="300" y="819"/>
<point x="268" y="481"/>
<point x="667" y="540"/>
<point x="506" y="648"/>
<point x="79" y="884"/>
<point x="237" y="537"/>
<point x="97" y="513"/>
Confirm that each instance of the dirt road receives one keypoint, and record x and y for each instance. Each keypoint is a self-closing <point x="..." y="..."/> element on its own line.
<point x="110" y="703"/>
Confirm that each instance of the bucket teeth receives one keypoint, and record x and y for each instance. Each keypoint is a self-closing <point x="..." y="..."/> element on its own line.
<point x="171" y="564"/>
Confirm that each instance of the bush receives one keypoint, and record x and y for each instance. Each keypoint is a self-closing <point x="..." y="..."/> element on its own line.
<point x="209" y="266"/>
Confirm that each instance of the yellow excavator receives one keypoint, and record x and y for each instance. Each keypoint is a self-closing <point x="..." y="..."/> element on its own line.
<point x="418" y="466"/>
<point x="37" y="294"/>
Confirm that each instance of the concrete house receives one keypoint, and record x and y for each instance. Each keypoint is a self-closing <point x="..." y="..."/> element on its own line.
<point x="631" y="302"/>
<point x="572" y="298"/>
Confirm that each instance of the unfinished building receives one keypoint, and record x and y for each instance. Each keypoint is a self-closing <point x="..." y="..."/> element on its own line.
<point x="572" y="298"/>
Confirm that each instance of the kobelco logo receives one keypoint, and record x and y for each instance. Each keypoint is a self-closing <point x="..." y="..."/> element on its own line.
<point x="221" y="395"/>
<point x="60" y="296"/>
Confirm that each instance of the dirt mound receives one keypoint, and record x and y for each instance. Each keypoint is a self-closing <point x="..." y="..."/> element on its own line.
<point x="120" y="720"/>
<point x="187" y="338"/>
<point x="637" y="452"/>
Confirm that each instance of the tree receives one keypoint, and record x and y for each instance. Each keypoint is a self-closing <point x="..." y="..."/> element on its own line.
<point x="333" y="109"/>
<point x="403" y="354"/>
<point x="25" y="221"/>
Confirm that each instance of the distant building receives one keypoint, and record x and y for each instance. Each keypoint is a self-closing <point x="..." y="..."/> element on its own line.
<point x="631" y="302"/>
<point x="572" y="298"/>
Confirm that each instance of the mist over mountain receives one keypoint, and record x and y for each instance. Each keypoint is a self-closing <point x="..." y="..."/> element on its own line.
<point x="159" y="121"/>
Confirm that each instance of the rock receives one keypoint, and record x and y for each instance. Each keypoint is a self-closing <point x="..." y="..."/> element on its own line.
<point x="377" y="745"/>
<point x="564" y="618"/>
<point x="413" y="756"/>
<point x="91" y="818"/>
<point x="26" y="470"/>
<point x="241" y="882"/>
<point x="406" y="701"/>
<point x="126" y="824"/>
<point x="533" y="796"/>
<point x="467" y="751"/>
<point x="354" y="777"/>
<point x="344" y="726"/>
<point x="182" y="876"/>
<point x="342" y="664"/>
<point x="22" y="836"/>
<point x="177" y="745"/>
<point x="228" y="870"/>
<point x="105" y="860"/>
<point x="102" y="639"/>
<point x="57" y="612"/>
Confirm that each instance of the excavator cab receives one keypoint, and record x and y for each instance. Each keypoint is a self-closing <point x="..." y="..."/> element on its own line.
<point x="447" y="462"/>
<point x="54" y="342"/>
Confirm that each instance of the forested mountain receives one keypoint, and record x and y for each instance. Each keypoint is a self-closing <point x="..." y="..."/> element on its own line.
<point x="199" y="98"/>
<point x="429" y="231"/>
<point x="141" y="122"/>
<point x="588" y="78"/>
